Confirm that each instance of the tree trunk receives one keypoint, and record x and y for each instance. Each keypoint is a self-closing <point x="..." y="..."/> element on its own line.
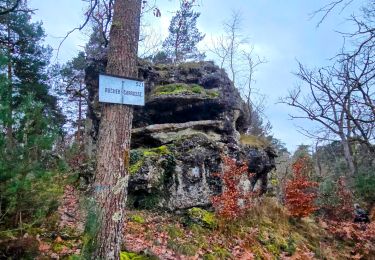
<point x="111" y="178"/>
<point x="9" y="124"/>
<point x="79" y="121"/>
<point x="348" y="155"/>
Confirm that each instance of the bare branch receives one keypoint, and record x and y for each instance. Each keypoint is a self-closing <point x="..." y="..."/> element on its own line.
<point x="89" y="13"/>
<point x="328" y="8"/>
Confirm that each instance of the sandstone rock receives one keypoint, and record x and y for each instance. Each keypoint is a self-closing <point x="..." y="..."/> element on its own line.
<point x="192" y="116"/>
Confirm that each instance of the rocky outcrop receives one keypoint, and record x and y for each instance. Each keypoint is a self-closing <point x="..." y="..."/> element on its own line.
<point x="192" y="116"/>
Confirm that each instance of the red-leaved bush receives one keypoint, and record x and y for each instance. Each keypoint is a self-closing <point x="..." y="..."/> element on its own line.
<point x="344" y="207"/>
<point x="300" y="193"/>
<point x="233" y="201"/>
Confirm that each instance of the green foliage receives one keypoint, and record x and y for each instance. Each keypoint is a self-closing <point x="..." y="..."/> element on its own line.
<point x="365" y="185"/>
<point x="202" y="217"/>
<point x="30" y="121"/>
<point x="181" y="43"/>
<point x="161" y="58"/>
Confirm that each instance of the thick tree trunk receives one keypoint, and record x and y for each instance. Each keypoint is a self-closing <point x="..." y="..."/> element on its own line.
<point x="114" y="134"/>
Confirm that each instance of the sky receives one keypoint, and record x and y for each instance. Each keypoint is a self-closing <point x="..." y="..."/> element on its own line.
<point x="282" y="31"/>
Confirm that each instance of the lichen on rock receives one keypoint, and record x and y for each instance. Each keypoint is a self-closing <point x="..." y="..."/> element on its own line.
<point x="193" y="115"/>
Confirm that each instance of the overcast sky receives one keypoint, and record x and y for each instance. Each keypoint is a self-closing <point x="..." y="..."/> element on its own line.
<point x="282" y="31"/>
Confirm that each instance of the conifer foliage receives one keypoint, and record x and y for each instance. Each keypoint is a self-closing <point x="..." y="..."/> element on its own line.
<point x="300" y="193"/>
<point x="181" y="44"/>
<point x="29" y="119"/>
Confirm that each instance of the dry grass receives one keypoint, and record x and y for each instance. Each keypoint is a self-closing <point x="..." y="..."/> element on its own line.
<point x="254" y="141"/>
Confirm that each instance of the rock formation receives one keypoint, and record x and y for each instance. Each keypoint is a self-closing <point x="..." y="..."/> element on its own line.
<point x="193" y="115"/>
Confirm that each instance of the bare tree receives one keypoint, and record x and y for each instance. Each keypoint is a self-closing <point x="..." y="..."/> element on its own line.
<point x="252" y="62"/>
<point x="150" y="42"/>
<point x="227" y="46"/>
<point x="238" y="57"/>
<point x="327" y="9"/>
<point x="334" y="99"/>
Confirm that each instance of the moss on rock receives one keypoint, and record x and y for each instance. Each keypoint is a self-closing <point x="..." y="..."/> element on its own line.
<point x="254" y="141"/>
<point x="202" y="217"/>
<point x="138" y="156"/>
<point x="182" y="88"/>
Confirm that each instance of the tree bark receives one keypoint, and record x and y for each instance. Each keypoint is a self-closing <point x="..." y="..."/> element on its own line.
<point x="348" y="155"/>
<point x="9" y="124"/>
<point x="111" y="178"/>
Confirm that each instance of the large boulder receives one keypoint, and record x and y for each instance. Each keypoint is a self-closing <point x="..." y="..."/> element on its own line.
<point x="193" y="115"/>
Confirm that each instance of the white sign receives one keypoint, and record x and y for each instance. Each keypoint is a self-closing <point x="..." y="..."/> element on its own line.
<point x="119" y="90"/>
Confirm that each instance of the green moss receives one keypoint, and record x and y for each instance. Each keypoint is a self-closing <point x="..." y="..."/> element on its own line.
<point x="172" y="89"/>
<point x="197" y="89"/>
<point x="203" y="217"/>
<point x="209" y="257"/>
<point x="275" y="242"/>
<point x="174" y="231"/>
<point x="161" y="150"/>
<point x="134" y="168"/>
<point x="124" y="255"/>
<point x="91" y="228"/>
<point x="273" y="249"/>
<point x="190" y="65"/>
<point x="182" y="88"/>
<point x="213" y="93"/>
<point x="138" y="219"/>
<point x="138" y="156"/>
<point x="57" y="247"/>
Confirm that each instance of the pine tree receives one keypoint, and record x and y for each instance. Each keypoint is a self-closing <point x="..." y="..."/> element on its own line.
<point x="29" y="117"/>
<point x="73" y="86"/>
<point x="181" y="44"/>
<point x="112" y="172"/>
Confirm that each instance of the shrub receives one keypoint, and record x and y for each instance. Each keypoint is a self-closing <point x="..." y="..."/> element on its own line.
<point x="365" y="186"/>
<point x="336" y="201"/>
<point x="299" y="191"/>
<point x="228" y="204"/>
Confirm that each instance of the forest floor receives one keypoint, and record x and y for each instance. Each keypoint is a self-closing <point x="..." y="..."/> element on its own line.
<point x="267" y="232"/>
<point x="264" y="232"/>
